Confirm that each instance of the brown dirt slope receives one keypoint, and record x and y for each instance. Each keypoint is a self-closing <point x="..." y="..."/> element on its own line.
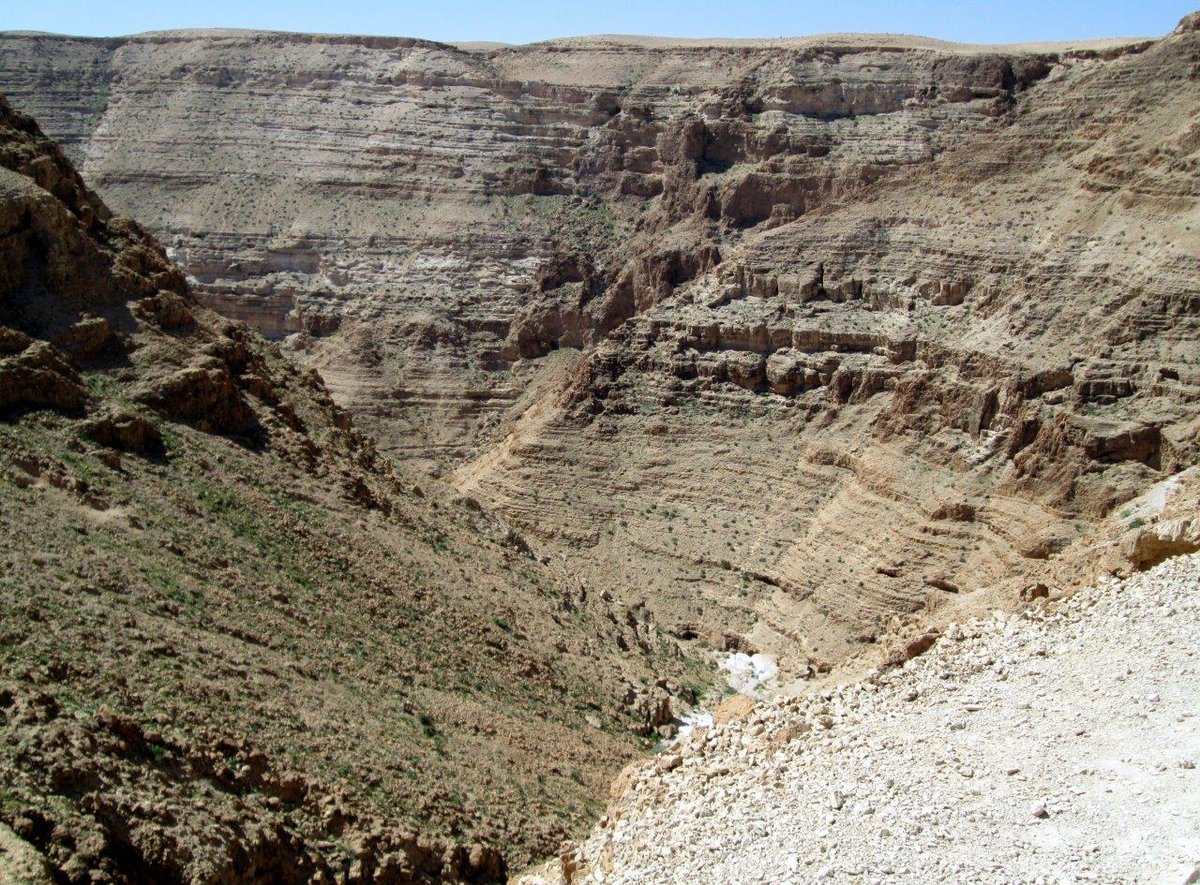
<point x="237" y="644"/>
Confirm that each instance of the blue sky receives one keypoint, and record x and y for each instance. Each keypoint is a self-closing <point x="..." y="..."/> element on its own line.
<point x="530" y="20"/>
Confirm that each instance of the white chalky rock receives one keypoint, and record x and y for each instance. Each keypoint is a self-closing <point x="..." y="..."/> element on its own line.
<point x="1013" y="761"/>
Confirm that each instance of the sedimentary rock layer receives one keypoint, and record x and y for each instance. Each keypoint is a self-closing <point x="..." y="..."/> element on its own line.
<point x="421" y="215"/>
<point x="796" y="339"/>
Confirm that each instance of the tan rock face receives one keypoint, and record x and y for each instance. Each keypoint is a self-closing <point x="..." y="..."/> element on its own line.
<point x="419" y="216"/>
<point x="797" y="341"/>
<point x="821" y="283"/>
<point x="1005" y="330"/>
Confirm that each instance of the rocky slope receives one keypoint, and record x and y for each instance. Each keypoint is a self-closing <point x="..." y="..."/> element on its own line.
<point x="872" y="281"/>
<point x="1057" y="744"/>
<point x="792" y="346"/>
<point x="237" y="643"/>
<point x="927" y="389"/>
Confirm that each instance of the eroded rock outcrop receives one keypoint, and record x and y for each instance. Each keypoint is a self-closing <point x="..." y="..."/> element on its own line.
<point x="525" y="198"/>
<point x="1009" y="324"/>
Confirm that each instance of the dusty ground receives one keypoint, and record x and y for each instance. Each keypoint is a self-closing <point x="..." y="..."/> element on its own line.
<point x="1055" y="745"/>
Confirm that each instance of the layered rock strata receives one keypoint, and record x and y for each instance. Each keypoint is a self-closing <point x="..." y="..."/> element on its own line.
<point x="790" y="343"/>
<point x="417" y="216"/>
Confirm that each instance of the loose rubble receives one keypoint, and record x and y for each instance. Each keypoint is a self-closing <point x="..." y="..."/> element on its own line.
<point x="1054" y="745"/>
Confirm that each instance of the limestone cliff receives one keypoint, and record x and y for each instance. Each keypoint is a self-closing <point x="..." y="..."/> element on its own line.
<point x="786" y="344"/>
<point x="920" y="388"/>
<point x="418" y="216"/>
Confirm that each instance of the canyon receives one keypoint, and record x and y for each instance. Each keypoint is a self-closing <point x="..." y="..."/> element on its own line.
<point x="805" y="347"/>
<point x="237" y="642"/>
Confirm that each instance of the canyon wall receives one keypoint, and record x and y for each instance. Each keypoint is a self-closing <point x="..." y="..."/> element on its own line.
<point x="919" y="394"/>
<point x="417" y="216"/>
<point x="788" y="341"/>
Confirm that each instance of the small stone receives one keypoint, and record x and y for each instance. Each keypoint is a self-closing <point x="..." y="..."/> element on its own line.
<point x="668" y="762"/>
<point x="1039" y="810"/>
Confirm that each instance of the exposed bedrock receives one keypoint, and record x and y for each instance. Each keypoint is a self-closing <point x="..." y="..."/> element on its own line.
<point x="750" y="326"/>
<point x="921" y="396"/>
<point x="523" y="199"/>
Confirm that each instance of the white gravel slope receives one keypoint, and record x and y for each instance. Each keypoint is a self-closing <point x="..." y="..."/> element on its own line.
<point x="1057" y="746"/>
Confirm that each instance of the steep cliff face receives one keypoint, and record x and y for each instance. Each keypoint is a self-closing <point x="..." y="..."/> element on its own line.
<point x="796" y="339"/>
<point x="418" y="216"/>
<point x="919" y="390"/>
<point x="240" y="645"/>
